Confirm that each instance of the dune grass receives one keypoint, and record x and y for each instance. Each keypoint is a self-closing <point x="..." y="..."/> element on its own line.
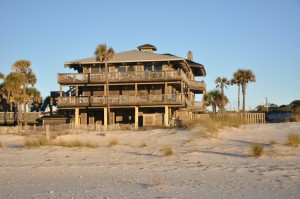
<point x="293" y="140"/>
<point x="257" y="150"/>
<point x="272" y="142"/>
<point x="167" y="151"/>
<point x="76" y="143"/>
<point x="37" y="142"/>
<point x="143" y="144"/>
<point x="42" y="141"/>
<point x="1" y="145"/>
<point x="113" y="142"/>
<point x="213" y="124"/>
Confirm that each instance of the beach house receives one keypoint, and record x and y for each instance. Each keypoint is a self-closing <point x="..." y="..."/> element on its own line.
<point x="141" y="87"/>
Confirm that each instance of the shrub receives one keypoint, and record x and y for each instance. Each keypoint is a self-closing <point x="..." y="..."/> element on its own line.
<point x="293" y="140"/>
<point x="272" y="142"/>
<point x="257" y="149"/>
<point x="143" y="144"/>
<point x="113" y="142"/>
<point x="76" y="143"/>
<point x="37" y="142"/>
<point x="167" y="151"/>
<point x="295" y="118"/>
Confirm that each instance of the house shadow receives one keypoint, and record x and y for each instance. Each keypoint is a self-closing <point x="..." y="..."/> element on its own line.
<point x="225" y="154"/>
<point x="143" y="154"/>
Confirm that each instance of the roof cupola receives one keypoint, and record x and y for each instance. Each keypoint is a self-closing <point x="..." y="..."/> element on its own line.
<point x="147" y="48"/>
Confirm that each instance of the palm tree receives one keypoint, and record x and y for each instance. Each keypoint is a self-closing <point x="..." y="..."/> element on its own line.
<point x="103" y="54"/>
<point x="35" y="96"/>
<point x="221" y="83"/>
<point x="11" y="85"/>
<point x="243" y="77"/>
<point x="23" y="67"/>
<point x="236" y="80"/>
<point x="12" y="91"/>
<point x="213" y="98"/>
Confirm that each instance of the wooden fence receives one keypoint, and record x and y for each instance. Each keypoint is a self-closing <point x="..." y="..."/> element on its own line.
<point x="69" y="128"/>
<point x="251" y="118"/>
<point x="8" y="117"/>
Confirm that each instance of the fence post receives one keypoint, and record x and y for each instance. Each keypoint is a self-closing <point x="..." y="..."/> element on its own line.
<point x="47" y="132"/>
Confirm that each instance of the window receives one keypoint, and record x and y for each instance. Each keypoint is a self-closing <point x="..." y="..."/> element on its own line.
<point x="158" y="68"/>
<point x="122" y="69"/>
<point x="131" y="68"/>
<point x="95" y="70"/>
<point x="147" y="67"/>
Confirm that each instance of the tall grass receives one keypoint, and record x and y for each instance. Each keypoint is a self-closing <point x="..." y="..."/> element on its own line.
<point x="293" y="140"/>
<point x="41" y="141"/>
<point x="213" y="124"/>
<point x="167" y="151"/>
<point x="113" y="142"/>
<point x="257" y="149"/>
<point x="37" y="142"/>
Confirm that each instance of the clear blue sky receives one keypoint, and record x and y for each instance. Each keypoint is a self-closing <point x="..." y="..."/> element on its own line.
<point x="263" y="36"/>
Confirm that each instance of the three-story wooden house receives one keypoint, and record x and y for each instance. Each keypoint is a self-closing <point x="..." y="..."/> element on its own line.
<point x="145" y="88"/>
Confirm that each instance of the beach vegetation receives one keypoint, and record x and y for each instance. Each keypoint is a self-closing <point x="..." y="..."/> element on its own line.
<point x="167" y="151"/>
<point x="293" y="140"/>
<point x="1" y="145"/>
<point x="113" y="142"/>
<point x="37" y="142"/>
<point x="272" y="142"/>
<point x="143" y="144"/>
<point x="257" y="150"/>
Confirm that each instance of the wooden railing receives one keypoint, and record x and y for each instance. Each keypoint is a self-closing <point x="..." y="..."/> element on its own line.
<point x="121" y="99"/>
<point x="117" y="76"/>
<point x="72" y="78"/>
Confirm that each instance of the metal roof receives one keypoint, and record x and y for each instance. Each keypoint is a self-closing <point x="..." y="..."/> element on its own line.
<point x="140" y="56"/>
<point x="129" y="56"/>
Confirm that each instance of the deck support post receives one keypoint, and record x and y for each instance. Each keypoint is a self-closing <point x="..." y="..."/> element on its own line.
<point x="76" y="116"/>
<point x="136" y="117"/>
<point x="105" y="118"/>
<point x="166" y="116"/>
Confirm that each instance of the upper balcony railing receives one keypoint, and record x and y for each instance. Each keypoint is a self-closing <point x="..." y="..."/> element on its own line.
<point x="84" y="78"/>
<point x="121" y="100"/>
<point x="67" y="78"/>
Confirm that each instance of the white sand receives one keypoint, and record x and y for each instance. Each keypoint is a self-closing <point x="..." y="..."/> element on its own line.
<point x="200" y="168"/>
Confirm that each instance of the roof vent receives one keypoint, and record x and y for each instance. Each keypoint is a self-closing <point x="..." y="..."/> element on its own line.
<point x="147" y="48"/>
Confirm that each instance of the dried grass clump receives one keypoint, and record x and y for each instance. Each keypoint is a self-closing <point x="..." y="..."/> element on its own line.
<point x="293" y="140"/>
<point x="143" y="144"/>
<point x="167" y="151"/>
<point x="1" y="146"/>
<point x="113" y="142"/>
<point x="257" y="150"/>
<point x="295" y="118"/>
<point x="37" y="142"/>
<point x="76" y="143"/>
<point x="272" y="142"/>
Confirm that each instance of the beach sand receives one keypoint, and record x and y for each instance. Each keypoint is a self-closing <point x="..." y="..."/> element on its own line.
<point x="199" y="168"/>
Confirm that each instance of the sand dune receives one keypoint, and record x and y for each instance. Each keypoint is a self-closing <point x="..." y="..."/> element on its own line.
<point x="136" y="166"/>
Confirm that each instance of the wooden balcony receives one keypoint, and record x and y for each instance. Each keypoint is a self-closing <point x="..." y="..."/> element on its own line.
<point x="197" y="86"/>
<point x="121" y="100"/>
<point x="134" y="76"/>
